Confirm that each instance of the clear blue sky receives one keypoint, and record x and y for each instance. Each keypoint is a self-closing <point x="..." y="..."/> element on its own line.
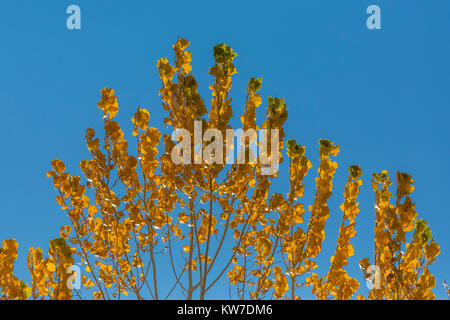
<point x="383" y="95"/>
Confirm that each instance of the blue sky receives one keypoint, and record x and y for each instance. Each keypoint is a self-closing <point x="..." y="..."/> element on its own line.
<point x="383" y="95"/>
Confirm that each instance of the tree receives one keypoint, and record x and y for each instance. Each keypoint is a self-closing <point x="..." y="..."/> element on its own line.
<point x="212" y="220"/>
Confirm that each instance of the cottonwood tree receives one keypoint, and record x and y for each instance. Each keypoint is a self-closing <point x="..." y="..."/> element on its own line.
<point x="215" y="221"/>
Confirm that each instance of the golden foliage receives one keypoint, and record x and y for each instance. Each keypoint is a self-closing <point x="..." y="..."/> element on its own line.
<point x="131" y="208"/>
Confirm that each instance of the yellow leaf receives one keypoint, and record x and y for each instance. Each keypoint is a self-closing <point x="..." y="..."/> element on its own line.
<point x="50" y="266"/>
<point x="89" y="283"/>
